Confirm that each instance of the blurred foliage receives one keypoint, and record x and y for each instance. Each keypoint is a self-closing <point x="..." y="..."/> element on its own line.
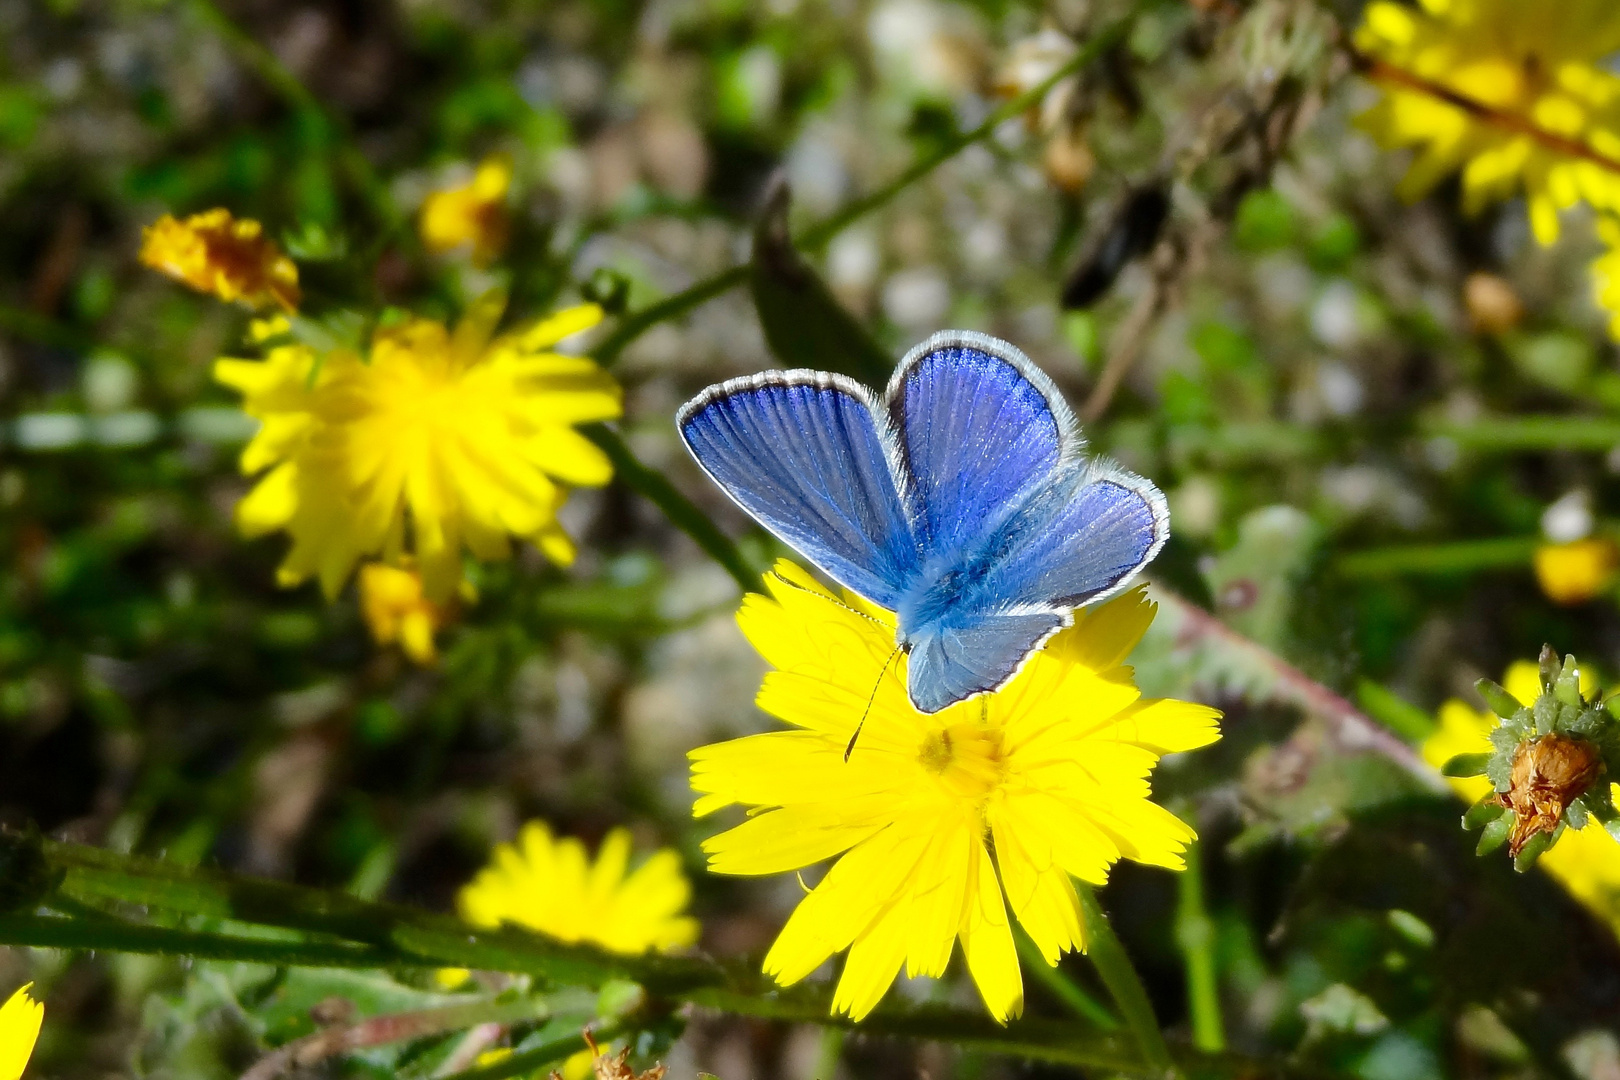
<point x="1367" y="415"/>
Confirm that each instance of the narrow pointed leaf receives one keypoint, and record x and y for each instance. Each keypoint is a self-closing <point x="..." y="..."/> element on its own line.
<point x="1502" y="703"/>
<point x="1494" y="836"/>
<point x="1466" y="765"/>
<point x="1527" y="856"/>
<point x="1482" y="813"/>
<point x="804" y="324"/>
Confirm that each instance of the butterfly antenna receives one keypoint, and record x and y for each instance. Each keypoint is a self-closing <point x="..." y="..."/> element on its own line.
<point x="884" y="670"/>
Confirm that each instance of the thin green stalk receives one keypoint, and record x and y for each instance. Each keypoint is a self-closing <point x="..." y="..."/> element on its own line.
<point x="359" y="933"/>
<point x="1195" y="934"/>
<point x="1118" y="974"/>
<point x="1509" y="433"/>
<point x="1061" y="986"/>
<point x="682" y="513"/>
<point x="639" y="322"/>
<point x="536" y="1058"/>
<point x="829" y="1053"/>
<point x="117" y="935"/>
<point x="1461" y="557"/>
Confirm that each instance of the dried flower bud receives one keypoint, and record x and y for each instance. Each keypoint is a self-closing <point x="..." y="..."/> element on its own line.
<point x="1546" y="760"/>
<point x="1549" y="774"/>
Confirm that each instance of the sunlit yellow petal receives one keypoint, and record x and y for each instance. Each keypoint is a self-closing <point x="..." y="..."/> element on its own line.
<point x="20" y="1020"/>
<point x="550" y="885"/>
<point x="1053" y="767"/>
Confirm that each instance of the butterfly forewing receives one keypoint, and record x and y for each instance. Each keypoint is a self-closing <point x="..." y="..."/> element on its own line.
<point x="802" y="452"/>
<point x="978" y="437"/>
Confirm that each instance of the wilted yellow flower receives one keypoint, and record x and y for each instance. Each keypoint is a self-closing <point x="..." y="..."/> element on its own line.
<point x="20" y="1018"/>
<point x="472" y="215"/>
<point x="395" y="610"/>
<point x="1586" y="862"/>
<point x="550" y="885"/>
<point x="1606" y="273"/>
<point x="1510" y="93"/>
<point x="1575" y="572"/>
<point x="215" y="253"/>
<point x="1052" y="770"/>
<point x="435" y="441"/>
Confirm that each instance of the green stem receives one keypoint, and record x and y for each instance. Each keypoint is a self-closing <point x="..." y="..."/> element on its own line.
<point x="1510" y="433"/>
<point x="639" y="322"/>
<point x="537" y="1058"/>
<point x="1118" y="974"/>
<point x="1461" y="557"/>
<point x="829" y="1054"/>
<point x="1195" y="934"/>
<point x="682" y="513"/>
<point x="117" y="935"/>
<point x="1061" y="986"/>
<point x="356" y="932"/>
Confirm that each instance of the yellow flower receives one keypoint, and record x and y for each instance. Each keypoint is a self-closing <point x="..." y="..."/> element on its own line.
<point x="1529" y="100"/>
<point x="1052" y="770"/>
<point x="1586" y="862"/>
<point x="466" y="436"/>
<point x="1574" y="573"/>
<point x="472" y="215"/>
<point x="549" y="885"/>
<point x="215" y="253"/>
<point x="1606" y="273"/>
<point x="395" y="610"/>
<point x="20" y="1018"/>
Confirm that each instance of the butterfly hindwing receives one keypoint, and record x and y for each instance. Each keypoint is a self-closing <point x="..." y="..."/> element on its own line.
<point x="807" y="456"/>
<point x="980" y="430"/>
<point x="1084" y="541"/>
<point x="949" y="664"/>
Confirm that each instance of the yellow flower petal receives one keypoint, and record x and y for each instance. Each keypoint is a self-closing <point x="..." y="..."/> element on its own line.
<point x="20" y="1020"/>
<point x="439" y="442"/>
<point x="550" y="885"/>
<point x="1053" y="766"/>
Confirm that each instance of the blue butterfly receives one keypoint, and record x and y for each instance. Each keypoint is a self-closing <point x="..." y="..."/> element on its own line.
<point x="961" y="501"/>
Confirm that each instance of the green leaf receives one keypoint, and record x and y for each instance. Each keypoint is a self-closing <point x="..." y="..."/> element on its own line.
<point x="1527" y="856"/>
<point x="1495" y="835"/>
<point x="1482" y="813"/>
<point x="1576" y="814"/>
<point x="1393" y="711"/>
<point x="1464" y="765"/>
<point x="1567" y="687"/>
<point x="1502" y="703"/>
<point x="804" y="324"/>
<point x="1549" y="664"/>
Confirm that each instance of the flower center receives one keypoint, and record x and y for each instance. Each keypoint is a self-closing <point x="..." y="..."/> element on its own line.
<point x="966" y="757"/>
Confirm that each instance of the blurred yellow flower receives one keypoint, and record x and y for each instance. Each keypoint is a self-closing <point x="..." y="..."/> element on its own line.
<point x="1606" y="273"/>
<point x="1511" y="93"/>
<point x="20" y="1019"/>
<point x="215" y="253"/>
<point x="1052" y="770"/>
<point x="437" y="440"/>
<point x="396" y="611"/>
<point x="472" y="215"/>
<point x="1575" y="572"/>
<point x="1586" y="862"/>
<point x="549" y="885"/>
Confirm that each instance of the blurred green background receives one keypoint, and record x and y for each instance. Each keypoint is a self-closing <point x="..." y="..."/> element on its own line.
<point x="1361" y="454"/>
